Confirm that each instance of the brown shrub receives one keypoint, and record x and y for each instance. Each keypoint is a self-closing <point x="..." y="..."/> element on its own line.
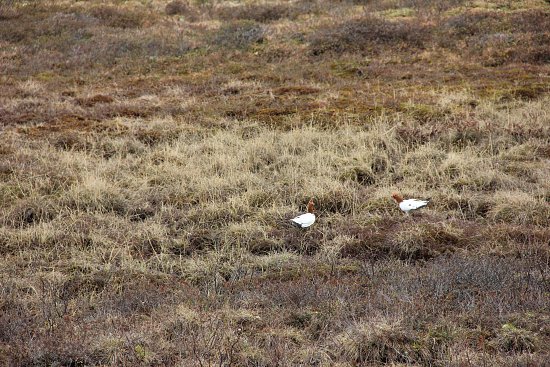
<point x="297" y="239"/>
<point x="498" y="39"/>
<point x="238" y="35"/>
<point x="118" y="17"/>
<point x="531" y="20"/>
<point x="52" y="27"/>
<point x="180" y="7"/>
<point x="421" y="6"/>
<point x="528" y="93"/>
<point x="202" y="240"/>
<point x="524" y="241"/>
<point x="474" y="23"/>
<point x="531" y="49"/>
<point x="87" y="283"/>
<point x="35" y="112"/>
<point x="8" y="9"/>
<point x="493" y="283"/>
<point x="70" y="140"/>
<point x="139" y="295"/>
<point x="208" y="341"/>
<point x="367" y="34"/>
<point x="108" y="49"/>
<point x="368" y="242"/>
<point x="256" y="12"/>
<point x="93" y="100"/>
<point x="361" y="175"/>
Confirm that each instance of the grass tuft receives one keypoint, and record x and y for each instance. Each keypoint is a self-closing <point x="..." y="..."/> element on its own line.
<point x="379" y="342"/>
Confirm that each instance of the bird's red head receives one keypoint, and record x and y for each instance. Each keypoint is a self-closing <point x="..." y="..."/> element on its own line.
<point x="397" y="197"/>
<point x="310" y="207"/>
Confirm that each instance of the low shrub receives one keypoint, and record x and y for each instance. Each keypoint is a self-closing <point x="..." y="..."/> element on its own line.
<point x="118" y="17"/>
<point x="367" y="34"/>
<point x="262" y="13"/>
<point x="239" y="35"/>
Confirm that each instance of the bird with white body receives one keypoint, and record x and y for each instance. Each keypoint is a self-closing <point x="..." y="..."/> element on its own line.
<point x="408" y="204"/>
<point x="307" y="219"/>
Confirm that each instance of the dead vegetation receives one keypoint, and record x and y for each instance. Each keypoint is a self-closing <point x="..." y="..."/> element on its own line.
<point x="152" y="154"/>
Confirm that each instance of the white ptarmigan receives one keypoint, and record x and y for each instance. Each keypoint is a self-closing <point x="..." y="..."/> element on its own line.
<point x="307" y="219"/>
<point x="409" y="204"/>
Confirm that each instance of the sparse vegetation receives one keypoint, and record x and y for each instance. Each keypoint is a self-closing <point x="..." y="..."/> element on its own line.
<point x="152" y="154"/>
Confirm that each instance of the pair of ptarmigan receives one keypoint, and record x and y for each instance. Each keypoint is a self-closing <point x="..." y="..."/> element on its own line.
<point x="307" y="219"/>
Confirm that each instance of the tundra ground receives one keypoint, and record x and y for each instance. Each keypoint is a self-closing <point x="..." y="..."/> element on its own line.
<point x="153" y="152"/>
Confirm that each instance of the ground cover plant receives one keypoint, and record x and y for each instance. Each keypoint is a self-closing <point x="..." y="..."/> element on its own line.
<point x="152" y="154"/>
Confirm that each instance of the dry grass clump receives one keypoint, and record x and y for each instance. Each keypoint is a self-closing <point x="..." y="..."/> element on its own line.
<point x="513" y="339"/>
<point x="466" y="170"/>
<point x="69" y="140"/>
<point x="519" y="208"/>
<point x="95" y="194"/>
<point x="379" y="342"/>
<point x="425" y="241"/>
<point x="34" y="176"/>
